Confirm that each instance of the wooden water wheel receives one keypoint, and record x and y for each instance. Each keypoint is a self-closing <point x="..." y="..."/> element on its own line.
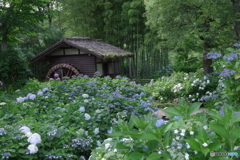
<point x="62" y="70"/>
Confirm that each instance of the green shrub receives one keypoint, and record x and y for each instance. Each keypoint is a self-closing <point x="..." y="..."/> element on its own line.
<point x="183" y="137"/>
<point x="193" y="86"/>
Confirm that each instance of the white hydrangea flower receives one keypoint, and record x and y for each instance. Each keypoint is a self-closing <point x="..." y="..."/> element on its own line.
<point x="32" y="148"/>
<point x="24" y="129"/>
<point x="2" y="103"/>
<point x="98" y="143"/>
<point x="96" y="131"/>
<point x="107" y="145"/>
<point x="175" y="131"/>
<point x="35" y="138"/>
<point x="109" y="131"/>
<point x="98" y="111"/>
<point x="187" y="145"/>
<point x="85" y="95"/>
<point x="205" y="144"/>
<point x="183" y="130"/>
<point x="205" y="127"/>
<point x="177" y="138"/>
<point x="186" y="156"/>
<point x="87" y="116"/>
<point x="182" y="133"/>
<point x="236" y="148"/>
<point x="109" y="139"/>
<point x="191" y="132"/>
<point x="82" y="109"/>
<point x="28" y="134"/>
<point x="85" y="101"/>
<point x="196" y="152"/>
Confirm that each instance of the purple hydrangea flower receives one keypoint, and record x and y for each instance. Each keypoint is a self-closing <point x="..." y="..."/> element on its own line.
<point x="21" y="99"/>
<point x="213" y="55"/>
<point x="237" y="45"/>
<point x="230" y="57"/>
<point x="227" y="72"/>
<point x="56" y="75"/>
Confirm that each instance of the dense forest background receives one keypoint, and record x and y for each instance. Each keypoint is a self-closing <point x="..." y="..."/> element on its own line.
<point x="162" y="34"/>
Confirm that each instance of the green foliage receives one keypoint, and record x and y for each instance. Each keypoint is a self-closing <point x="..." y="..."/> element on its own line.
<point x="192" y="26"/>
<point x="14" y="70"/>
<point x="21" y="17"/>
<point x="186" y="137"/>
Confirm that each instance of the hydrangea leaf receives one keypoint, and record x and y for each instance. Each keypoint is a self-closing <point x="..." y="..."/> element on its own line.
<point x="154" y="156"/>
<point x="235" y="132"/>
<point x="193" y="144"/>
<point x="173" y="111"/>
<point x="214" y="146"/>
<point x="220" y="130"/>
<point x="193" y="108"/>
<point x="135" y="156"/>
<point x="148" y="136"/>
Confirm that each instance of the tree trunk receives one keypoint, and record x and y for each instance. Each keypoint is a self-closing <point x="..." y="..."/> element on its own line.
<point x="236" y="10"/>
<point x="4" y="47"/>
<point x="207" y="68"/>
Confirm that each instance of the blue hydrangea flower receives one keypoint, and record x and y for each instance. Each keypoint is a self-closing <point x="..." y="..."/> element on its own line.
<point x="40" y="93"/>
<point x="176" y="117"/>
<point x="227" y="72"/>
<point x="118" y="76"/>
<point x="230" y="57"/>
<point x="107" y="77"/>
<point x="18" y="137"/>
<point x="213" y="55"/>
<point x="44" y="89"/>
<point x="159" y="122"/>
<point x="6" y="155"/>
<point x="2" y="131"/>
<point x="237" y="45"/>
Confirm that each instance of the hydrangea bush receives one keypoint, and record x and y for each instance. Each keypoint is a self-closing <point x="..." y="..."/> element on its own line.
<point x="193" y="86"/>
<point x="183" y="137"/>
<point x="69" y="118"/>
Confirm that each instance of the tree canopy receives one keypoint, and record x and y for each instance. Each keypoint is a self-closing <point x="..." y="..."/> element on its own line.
<point x="20" y="16"/>
<point x="207" y="23"/>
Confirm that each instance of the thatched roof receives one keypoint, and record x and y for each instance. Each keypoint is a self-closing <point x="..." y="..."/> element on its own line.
<point x="95" y="47"/>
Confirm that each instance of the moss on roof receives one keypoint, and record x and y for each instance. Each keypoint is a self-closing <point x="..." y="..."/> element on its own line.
<point x="95" y="47"/>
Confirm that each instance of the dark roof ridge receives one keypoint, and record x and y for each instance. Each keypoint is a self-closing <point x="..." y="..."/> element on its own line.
<point x="81" y="38"/>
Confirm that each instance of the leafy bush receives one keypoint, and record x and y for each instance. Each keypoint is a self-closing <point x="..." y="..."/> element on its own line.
<point x="182" y="137"/>
<point x="71" y="116"/>
<point x="14" y="71"/>
<point x="193" y="86"/>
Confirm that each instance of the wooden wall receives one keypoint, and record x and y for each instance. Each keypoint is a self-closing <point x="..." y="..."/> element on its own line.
<point x="84" y="62"/>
